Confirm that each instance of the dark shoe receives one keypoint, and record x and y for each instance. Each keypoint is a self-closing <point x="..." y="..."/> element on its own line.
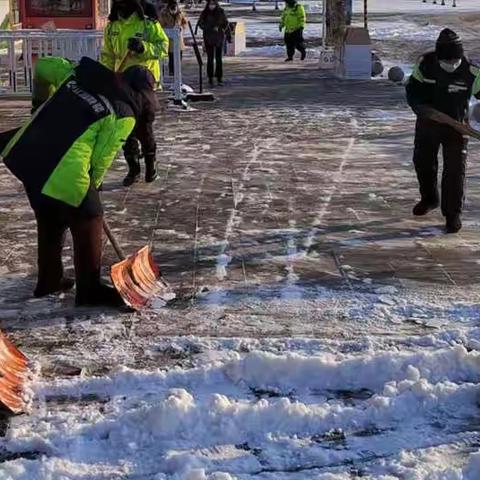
<point x="150" y="168"/>
<point x="304" y="55"/>
<point x="454" y="224"/>
<point x="423" y="207"/>
<point x="210" y="82"/>
<point x="130" y="179"/>
<point x="64" y="285"/>
<point x="289" y="59"/>
<point x="220" y="82"/>
<point x="99" y="296"/>
<point x="133" y="174"/>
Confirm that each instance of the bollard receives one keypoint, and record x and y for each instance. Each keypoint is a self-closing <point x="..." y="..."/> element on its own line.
<point x="177" y="66"/>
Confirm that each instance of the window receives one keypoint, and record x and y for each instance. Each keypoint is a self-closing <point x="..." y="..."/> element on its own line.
<point x="59" y="8"/>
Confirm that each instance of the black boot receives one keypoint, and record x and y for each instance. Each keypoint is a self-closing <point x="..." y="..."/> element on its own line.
<point x="99" y="295"/>
<point x="64" y="285"/>
<point x="150" y="168"/>
<point x="424" y="206"/>
<point x="51" y="237"/>
<point x="454" y="224"/>
<point x="133" y="174"/>
<point x="87" y="246"/>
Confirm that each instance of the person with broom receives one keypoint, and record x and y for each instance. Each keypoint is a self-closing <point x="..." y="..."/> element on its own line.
<point x="134" y="36"/>
<point x="61" y="156"/>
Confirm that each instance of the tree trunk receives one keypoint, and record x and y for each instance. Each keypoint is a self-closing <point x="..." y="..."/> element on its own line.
<point x="336" y="21"/>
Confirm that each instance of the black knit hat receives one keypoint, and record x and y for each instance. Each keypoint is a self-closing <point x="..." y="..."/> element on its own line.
<point x="449" y="45"/>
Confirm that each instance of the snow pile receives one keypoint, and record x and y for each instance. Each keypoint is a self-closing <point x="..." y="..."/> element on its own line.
<point x="244" y="414"/>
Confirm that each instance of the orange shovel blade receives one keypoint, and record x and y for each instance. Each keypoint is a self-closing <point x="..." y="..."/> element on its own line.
<point x="13" y="373"/>
<point x="137" y="279"/>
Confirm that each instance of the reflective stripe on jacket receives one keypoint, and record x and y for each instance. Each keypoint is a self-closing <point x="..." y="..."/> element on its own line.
<point x="449" y="93"/>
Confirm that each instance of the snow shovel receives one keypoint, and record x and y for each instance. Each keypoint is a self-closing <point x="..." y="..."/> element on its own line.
<point x="439" y="117"/>
<point x="14" y="371"/>
<point x="137" y="277"/>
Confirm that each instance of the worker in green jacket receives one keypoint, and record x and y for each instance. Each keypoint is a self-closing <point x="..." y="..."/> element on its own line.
<point x="293" y="21"/>
<point x="61" y="156"/>
<point x="134" y="38"/>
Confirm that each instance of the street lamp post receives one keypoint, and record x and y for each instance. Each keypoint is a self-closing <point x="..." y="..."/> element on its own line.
<point x="365" y="13"/>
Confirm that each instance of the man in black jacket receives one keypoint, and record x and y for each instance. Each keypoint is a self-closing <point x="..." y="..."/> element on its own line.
<point x="445" y="80"/>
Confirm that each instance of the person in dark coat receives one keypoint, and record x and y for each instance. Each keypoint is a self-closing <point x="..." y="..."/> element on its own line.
<point x="61" y="156"/>
<point x="214" y="24"/>
<point x="445" y="80"/>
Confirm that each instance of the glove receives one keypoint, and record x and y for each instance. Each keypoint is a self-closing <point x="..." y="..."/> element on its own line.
<point x="135" y="45"/>
<point x="215" y="29"/>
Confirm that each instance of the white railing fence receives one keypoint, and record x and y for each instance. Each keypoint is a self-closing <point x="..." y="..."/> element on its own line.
<point x="20" y="48"/>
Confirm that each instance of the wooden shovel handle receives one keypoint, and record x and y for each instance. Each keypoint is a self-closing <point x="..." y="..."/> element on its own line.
<point x="439" y="117"/>
<point x="116" y="246"/>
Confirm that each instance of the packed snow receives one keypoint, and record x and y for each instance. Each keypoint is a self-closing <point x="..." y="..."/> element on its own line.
<point x="289" y="414"/>
<point x="373" y="400"/>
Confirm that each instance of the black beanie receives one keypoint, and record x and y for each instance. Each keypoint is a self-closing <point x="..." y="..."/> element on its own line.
<point x="449" y="46"/>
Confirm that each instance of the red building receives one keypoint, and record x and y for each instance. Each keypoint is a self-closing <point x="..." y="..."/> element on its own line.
<point x="76" y="14"/>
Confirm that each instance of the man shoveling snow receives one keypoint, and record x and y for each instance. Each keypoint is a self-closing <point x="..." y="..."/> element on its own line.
<point x="62" y="155"/>
<point x="444" y="80"/>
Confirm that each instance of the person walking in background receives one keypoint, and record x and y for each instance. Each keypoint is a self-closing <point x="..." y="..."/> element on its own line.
<point x="172" y="16"/>
<point x="132" y="38"/>
<point x="214" y="24"/>
<point x="444" y="80"/>
<point x="293" y="21"/>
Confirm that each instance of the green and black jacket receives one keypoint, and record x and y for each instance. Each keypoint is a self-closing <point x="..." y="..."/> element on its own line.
<point x="72" y="139"/>
<point x="449" y="93"/>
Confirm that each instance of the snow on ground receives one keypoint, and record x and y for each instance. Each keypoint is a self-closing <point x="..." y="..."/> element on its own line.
<point x="371" y="401"/>
<point x="259" y="415"/>
<point x="376" y="406"/>
<point x="416" y="6"/>
<point x="259" y="30"/>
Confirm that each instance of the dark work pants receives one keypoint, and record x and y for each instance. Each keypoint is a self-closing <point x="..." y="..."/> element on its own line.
<point x="86" y="227"/>
<point x="294" y="40"/>
<point x="144" y="137"/>
<point x="171" y="64"/>
<point x="214" y="62"/>
<point x="429" y="136"/>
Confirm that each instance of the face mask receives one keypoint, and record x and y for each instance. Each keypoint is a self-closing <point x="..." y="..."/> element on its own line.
<point x="450" y="67"/>
<point x="173" y="11"/>
<point x="212" y="6"/>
